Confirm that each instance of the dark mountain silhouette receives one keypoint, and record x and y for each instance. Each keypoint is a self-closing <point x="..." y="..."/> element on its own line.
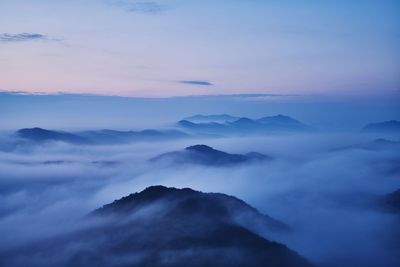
<point x="98" y="137"/>
<point x="280" y="119"/>
<point x="220" y="118"/>
<point x="246" y="124"/>
<point x="393" y="200"/>
<point x="188" y="202"/>
<point x="209" y="127"/>
<point x="43" y="135"/>
<point x="166" y="227"/>
<point x="274" y="124"/>
<point x="284" y="123"/>
<point x="205" y="155"/>
<point x="392" y="126"/>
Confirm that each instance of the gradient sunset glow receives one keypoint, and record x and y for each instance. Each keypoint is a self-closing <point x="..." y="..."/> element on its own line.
<point x="171" y="48"/>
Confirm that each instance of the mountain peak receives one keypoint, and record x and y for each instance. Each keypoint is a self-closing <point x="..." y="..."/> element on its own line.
<point x="206" y="155"/>
<point x="188" y="201"/>
<point x="201" y="148"/>
<point x="281" y="119"/>
<point x="32" y="130"/>
<point x="244" y="121"/>
<point x="40" y="135"/>
<point x="211" y="118"/>
<point x="163" y="223"/>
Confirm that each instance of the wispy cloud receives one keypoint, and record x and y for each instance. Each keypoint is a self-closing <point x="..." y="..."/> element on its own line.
<point x="24" y="37"/>
<point x="192" y="82"/>
<point x="149" y="7"/>
<point x="6" y="37"/>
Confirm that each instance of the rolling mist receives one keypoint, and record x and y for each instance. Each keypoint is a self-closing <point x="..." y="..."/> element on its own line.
<point x="327" y="187"/>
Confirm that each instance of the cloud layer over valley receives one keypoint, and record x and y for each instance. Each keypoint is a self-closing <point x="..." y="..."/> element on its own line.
<point x="324" y="187"/>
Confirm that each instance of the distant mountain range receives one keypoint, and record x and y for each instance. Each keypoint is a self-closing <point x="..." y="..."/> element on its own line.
<point x="195" y="126"/>
<point x="216" y="125"/>
<point x="42" y="135"/>
<point x="98" y="137"/>
<point x="205" y="155"/>
<point x="237" y="126"/>
<point x="392" y="126"/>
<point x="221" y="118"/>
<point x="165" y="227"/>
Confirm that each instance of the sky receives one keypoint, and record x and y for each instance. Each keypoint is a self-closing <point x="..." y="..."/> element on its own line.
<point x="187" y="47"/>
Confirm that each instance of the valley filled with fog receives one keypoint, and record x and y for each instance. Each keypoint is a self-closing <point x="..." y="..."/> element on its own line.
<point x="329" y="188"/>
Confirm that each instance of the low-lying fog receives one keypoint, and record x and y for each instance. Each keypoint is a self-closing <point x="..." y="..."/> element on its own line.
<point x="328" y="193"/>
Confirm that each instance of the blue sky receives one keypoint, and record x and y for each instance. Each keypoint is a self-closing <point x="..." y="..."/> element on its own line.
<point x="150" y="48"/>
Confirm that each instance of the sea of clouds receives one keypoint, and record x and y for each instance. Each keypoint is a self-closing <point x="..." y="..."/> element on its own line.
<point x="327" y="192"/>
